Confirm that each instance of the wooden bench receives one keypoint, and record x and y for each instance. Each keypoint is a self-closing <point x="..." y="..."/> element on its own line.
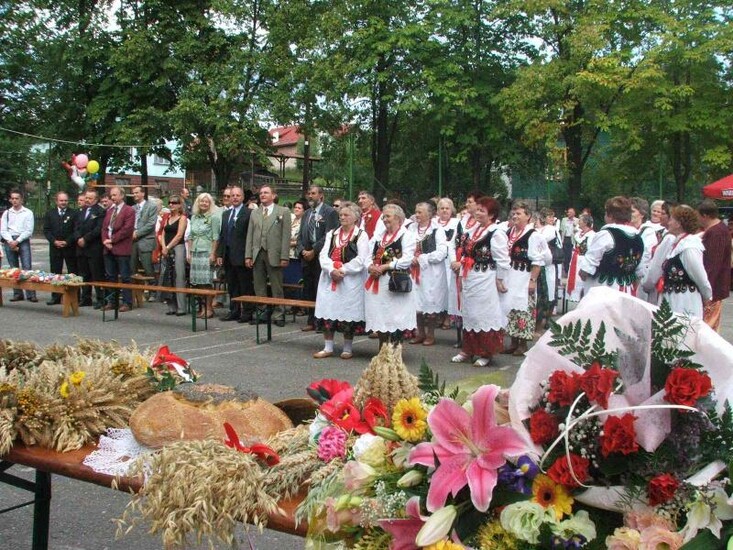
<point x="192" y="294"/>
<point x="69" y="293"/>
<point x="269" y="301"/>
<point x="138" y="296"/>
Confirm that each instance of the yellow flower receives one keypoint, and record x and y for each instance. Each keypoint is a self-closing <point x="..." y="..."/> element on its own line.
<point x="548" y="494"/>
<point x="77" y="377"/>
<point x="445" y="545"/>
<point x="408" y="419"/>
<point x="64" y="390"/>
<point x="492" y="536"/>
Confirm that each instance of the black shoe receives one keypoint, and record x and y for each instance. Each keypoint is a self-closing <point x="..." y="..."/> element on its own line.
<point x="53" y="302"/>
<point x="17" y="299"/>
<point x="171" y="313"/>
<point x="280" y="322"/>
<point x="85" y="304"/>
<point x="230" y="317"/>
<point x="34" y="300"/>
<point x="180" y="314"/>
<point x="98" y="305"/>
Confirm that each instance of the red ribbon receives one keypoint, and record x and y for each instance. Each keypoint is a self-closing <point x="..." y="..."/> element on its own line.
<point x="336" y="265"/>
<point x="572" y="270"/>
<point x="373" y="284"/>
<point x="262" y="452"/>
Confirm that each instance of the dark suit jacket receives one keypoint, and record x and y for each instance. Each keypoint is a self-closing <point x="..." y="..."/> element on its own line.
<point x="90" y="230"/>
<point x="328" y="219"/>
<point x="234" y="253"/>
<point x="56" y="228"/>
<point x="121" y="231"/>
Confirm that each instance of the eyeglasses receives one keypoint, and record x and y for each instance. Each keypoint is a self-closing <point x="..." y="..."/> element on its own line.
<point x="337" y="205"/>
<point x="173" y="202"/>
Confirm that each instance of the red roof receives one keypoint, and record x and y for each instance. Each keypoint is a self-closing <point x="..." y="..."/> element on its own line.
<point x="721" y="189"/>
<point x="283" y="136"/>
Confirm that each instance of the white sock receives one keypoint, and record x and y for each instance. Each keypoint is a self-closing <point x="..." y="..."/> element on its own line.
<point x="328" y="346"/>
<point x="347" y="345"/>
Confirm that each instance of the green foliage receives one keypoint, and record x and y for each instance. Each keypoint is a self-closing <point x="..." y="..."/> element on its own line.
<point x="668" y="333"/>
<point x="575" y="343"/>
<point x="431" y="385"/>
<point x="717" y="444"/>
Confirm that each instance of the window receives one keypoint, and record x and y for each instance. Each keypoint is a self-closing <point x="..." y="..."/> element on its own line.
<point x="160" y="161"/>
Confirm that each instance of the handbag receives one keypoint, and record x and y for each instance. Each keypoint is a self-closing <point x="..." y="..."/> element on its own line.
<point x="400" y="281"/>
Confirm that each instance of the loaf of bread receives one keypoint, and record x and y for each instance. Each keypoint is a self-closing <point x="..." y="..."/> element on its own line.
<point x="199" y="411"/>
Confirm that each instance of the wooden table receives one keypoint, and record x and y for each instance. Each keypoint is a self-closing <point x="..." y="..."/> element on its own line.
<point x="47" y="462"/>
<point x="270" y="301"/>
<point x="69" y="293"/>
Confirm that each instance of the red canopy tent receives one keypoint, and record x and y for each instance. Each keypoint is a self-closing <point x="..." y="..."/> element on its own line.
<point x="721" y="189"/>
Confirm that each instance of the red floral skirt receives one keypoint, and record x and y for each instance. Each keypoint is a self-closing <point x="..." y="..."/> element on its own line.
<point x="483" y="344"/>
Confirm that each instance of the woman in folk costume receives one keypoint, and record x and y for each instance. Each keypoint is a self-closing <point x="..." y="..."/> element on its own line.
<point x="483" y="267"/>
<point x="677" y="270"/>
<point x="449" y="222"/>
<point x="547" y="289"/>
<point x="428" y="272"/>
<point x="648" y="233"/>
<point x="340" y="297"/>
<point x="390" y="313"/>
<point x="614" y="255"/>
<point x="466" y="223"/>
<point x="526" y="256"/>
<point x="581" y="239"/>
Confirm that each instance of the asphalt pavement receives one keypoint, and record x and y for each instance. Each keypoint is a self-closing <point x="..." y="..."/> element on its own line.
<point x="82" y="514"/>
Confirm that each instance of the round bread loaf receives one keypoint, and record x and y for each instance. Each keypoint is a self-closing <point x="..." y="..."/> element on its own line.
<point x="199" y="411"/>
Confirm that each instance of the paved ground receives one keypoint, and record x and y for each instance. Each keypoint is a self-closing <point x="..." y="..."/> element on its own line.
<point x="81" y="513"/>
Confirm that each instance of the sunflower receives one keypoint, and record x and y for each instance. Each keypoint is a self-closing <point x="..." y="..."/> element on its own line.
<point x="547" y="494"/>
<point x="77" y="377"/>
<point x="492" y="536"/>
<point x="408" y="419"/>
<point x="64" y="390"/>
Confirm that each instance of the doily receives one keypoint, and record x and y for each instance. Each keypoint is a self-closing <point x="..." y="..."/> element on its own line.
<point x="116" y="452"/>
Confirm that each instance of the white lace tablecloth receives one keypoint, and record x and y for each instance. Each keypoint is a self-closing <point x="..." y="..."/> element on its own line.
<point x="116" y="452"/>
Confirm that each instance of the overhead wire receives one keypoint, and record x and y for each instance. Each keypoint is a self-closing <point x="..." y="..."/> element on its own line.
<point x="83" y="143"/>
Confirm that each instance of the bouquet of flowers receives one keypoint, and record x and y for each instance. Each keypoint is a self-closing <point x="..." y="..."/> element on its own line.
<point x="36" y="276"/>
<point x="633" y="420"/>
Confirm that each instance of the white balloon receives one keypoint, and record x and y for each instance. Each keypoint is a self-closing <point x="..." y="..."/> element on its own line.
<point x="78" y="180"/>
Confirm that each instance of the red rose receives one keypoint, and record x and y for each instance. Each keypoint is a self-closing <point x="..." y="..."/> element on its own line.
<point x="686" y="386"/>
<point x="560" y="471"/>
<point x="661" y="489"/>
<point x="542" y="427"/>
<point x="564" y="388"/>
<point x="619" y="435"/>
<point x="597" y="383"/>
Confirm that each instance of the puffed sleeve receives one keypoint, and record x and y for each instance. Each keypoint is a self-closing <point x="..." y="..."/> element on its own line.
<point x="323" y="256"/>
<point x="654" y="272"/>
<point x="691" y="259"/>
<point x="408" y="251"/>
<point x="500" y="253"/>
<point x="538" y="249"/>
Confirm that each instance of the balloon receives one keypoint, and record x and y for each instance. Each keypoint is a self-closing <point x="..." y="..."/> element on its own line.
<point x="81" y="161"/>
<point x="93" y="167"/>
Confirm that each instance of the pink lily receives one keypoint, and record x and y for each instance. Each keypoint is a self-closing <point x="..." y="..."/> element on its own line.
<point x="470" y="448"/>
<point x="404" y="531"/>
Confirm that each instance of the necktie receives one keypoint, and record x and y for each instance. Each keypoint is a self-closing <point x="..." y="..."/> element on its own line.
<point x="86" y="213"/>
<point x="114" y="216"/>
<point x="264" y="212"/>
<point x="63" y="211"/>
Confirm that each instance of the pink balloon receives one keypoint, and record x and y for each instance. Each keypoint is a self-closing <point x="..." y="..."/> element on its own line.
<point x="81" y="161"/>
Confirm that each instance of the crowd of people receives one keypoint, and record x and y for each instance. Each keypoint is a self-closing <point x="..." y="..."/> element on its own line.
<point x="391" y="272"/>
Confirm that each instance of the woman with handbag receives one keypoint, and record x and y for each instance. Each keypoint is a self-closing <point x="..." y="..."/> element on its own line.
<point x="482" y="266"/>
<point x="340" y="296"/>
<point x="390" y="304"/>
<point x="173" y="255"/>
<point x="526" y="257"/>
<point x="428" y="273"/>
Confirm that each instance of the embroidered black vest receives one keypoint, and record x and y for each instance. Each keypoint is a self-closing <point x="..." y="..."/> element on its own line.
<point x="481" y="254"/>
<point x="619" y="264"/>
<point x="428" y="244"/>
<point x="519" y="254"/>
<point x="350" y="251"/>
<point x="449" y="234"/>
<point x="676" y="279"/>
<point x="393" y="251"/>
<point x="583" y="247"/>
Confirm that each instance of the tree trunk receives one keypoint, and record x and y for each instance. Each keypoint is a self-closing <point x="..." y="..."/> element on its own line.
<point x="681" y="162"/>
<point x="573" y="135"/>
<point x="144" y="172"/>
<point x="476" y="167"/>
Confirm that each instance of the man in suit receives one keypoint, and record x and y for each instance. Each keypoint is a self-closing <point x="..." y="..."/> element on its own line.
<point x="267" y="250"/>
<point x="58" y="228"/>
<point x="317" y="221"/>
<point x="230" y="254"/>
<point x="117" y="230"/>
<point x="143" y="237"/>
<point x="88" y="235"/>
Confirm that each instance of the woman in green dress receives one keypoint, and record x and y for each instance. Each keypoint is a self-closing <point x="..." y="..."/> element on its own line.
<point x="202" y="240"/>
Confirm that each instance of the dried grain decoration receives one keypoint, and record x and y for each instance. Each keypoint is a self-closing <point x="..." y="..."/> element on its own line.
<point x="199" y="489"/>
<point x="386" y="378"/>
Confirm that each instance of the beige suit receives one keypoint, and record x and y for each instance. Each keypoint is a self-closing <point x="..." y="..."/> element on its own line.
<point x="268" y="244"/>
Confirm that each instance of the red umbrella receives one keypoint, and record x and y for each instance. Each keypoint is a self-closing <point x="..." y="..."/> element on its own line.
<point x="721" y="189"/>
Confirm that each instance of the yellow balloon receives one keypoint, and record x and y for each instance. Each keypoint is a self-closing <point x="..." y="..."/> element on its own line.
<point x="93" y="167"/>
